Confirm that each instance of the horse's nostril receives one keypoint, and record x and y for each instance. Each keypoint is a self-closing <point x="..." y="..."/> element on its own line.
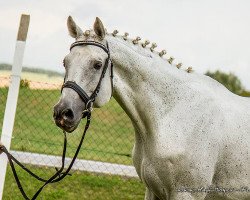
<point x="68" y="114"/>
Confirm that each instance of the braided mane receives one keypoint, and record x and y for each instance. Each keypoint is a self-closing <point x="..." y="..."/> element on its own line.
<point x="90" y="34"/>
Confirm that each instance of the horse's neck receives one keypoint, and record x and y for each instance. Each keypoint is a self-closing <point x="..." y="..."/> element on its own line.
<point x="145" y="85"/>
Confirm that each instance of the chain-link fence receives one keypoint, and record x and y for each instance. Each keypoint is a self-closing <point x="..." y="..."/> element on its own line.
<point x="104" y="167"/>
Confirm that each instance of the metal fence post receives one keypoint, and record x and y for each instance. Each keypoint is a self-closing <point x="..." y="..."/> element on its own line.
<point x="10" y="109"/>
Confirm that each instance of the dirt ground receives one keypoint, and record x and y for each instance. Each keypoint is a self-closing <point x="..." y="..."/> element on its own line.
<point x="5" y="81"/>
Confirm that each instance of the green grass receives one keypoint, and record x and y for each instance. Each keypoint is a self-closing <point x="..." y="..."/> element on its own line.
<point x="109" y="139"/>
<point x="81" y="185"/>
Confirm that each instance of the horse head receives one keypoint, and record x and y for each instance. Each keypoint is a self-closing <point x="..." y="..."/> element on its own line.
<point x="86" y="82"/>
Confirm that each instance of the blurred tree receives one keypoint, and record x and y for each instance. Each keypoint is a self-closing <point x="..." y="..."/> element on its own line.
<point x="245" y="93"/>
<point x="230" y="81"/>
<point x="50" y="73"/>
<point x="24" y="83"/>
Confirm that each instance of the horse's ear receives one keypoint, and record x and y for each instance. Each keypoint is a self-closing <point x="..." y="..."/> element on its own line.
<point x="99" y="28"/>
<point x="74" y="30"/>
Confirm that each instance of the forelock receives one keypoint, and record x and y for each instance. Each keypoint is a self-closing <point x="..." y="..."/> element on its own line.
<point x="89" y="35"/>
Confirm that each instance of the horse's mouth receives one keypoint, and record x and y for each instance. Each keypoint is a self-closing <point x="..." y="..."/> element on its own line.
<point x="69" y="128"/>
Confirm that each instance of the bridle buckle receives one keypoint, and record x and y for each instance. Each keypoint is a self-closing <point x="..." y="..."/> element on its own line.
<point x="88" y="108"/>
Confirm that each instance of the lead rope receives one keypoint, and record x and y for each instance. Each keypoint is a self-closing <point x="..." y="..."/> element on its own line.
<point x="58" y="176"/>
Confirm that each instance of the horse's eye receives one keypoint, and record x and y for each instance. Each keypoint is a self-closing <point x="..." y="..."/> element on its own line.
<point x="98" y="65"/>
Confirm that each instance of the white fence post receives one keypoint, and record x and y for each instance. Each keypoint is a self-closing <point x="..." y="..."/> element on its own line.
<point x="10" y="109"/>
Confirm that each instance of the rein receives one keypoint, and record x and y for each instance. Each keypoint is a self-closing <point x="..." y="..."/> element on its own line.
<point x="58" y="176"/>
<point x="88" y="100"/>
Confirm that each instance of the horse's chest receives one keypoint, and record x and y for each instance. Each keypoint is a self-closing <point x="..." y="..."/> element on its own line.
<point x="147" y="170"/>
<point x="151" y="178"/>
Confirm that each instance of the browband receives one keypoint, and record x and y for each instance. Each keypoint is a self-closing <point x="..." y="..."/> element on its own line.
<point x="94" y="43"/>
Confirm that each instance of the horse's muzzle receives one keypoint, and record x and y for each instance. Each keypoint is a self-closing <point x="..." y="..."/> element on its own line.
<point x="64" y="118"/>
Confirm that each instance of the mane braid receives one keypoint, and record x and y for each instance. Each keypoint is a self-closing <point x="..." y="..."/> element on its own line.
<point x="135" y="41"/>
<point x="89" y="33"/>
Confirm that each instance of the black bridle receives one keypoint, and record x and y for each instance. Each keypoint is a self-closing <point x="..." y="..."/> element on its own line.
<point x="88" y="100"/>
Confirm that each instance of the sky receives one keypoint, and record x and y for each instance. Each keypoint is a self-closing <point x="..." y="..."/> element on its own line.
<point x="207" y="35"/>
